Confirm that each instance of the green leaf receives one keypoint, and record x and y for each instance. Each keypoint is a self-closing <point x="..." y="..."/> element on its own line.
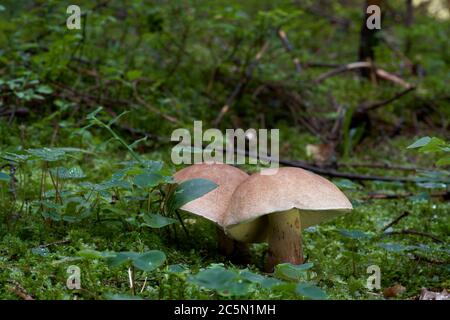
<point x="47" y="154"/>
<point x="4" y="177"/>
<point x="221" y="280"/>
<point x="134" y="74"/>
<point x="149" y="260"/>
<point x="346" y="184"/>
<point x="354" y="234"/>
<point x="310" y="291"/>
<point x="71" y="173"/>
<point x="51" y="215"/>
<point x="264" y="282"/>
<point x="215" y="278"/>
<point x="288" y="271"/>
<point x="121" y="296"/>
<point x="41" y="251"/>
<point x="122" y="257"/>
<point x="177" y="268"/>
<point x="157" y="221"/>
<point x="420" y="143"/>
<point x="44" y="89"/>
<point x="147" y="180"/>
<point x="445" y="161"/>
<point x="190" y="190"/>
<point x="94" y="254"/>
<point x="395" y="247"/>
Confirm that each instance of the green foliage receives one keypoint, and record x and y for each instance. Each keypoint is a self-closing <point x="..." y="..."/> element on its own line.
<point x="138" y="70"/>
<point x="433" y="145"/>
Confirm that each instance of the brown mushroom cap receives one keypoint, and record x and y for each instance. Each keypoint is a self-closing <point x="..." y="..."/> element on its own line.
<point x="317" y="199"/>
<point x="212" y="205"/>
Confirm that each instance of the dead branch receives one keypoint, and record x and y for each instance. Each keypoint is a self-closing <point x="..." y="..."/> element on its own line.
<point x="403" y="195"/>
<point x="56" y="243"/>
<point x="396" y="220"/>
<point x="19" y="291"/>
<point x="383" y="74"/>
<point x="290" y="49"/>
<point x="342" y="69"/>
<point x="413" y="233"/>
<point x="364" y="107"/>
<point x="384" y="166"/>
<point x="333" y="172"/>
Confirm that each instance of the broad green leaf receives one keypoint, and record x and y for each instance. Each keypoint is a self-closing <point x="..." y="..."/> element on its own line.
<point x="394" y="247"/>
<point x="134" y="74"/>
<point x="147" y="180"/>
<point x="419" y="143"/>
<point x="216" y="278"/>
<point x="71" y="173"/>
<point x="177" y="268"/>
<point x="51" y="215"/>
<point x="121" y="258"/>
<point x="121" y="296"/>
<point x="288" y="271"/>
<point x="47" y="154"/>
<point x="44" y="89"/>
<point x="346" y="184"/>
<point x="190" y="190"/>
<point x="4" y="177"/>
<point x="157" y="221"/>
<point x="445" y="161"/>
<point x="94" y="254"/>
<point x="354" y="234"/>
<point x="149" y="260"/>
<point x="310" y="291"/>
<point x="41" y="251"/>
<point x="264" y="282"/>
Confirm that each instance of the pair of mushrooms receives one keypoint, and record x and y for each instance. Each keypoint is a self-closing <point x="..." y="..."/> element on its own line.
<point x="266" y="206"/>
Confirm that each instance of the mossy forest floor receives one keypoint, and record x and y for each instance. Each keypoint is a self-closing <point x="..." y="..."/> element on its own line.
<point x="36" y="248"/>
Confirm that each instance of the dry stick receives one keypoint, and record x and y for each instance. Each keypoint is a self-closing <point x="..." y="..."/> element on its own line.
<point x="374" y="105"/>
<point x="54" y="243"/>
<point x="396" y="220"/>
<point x="399" y="196"/>
<point x="383" y="74"/>
<point x="19" y="290"/>
<point x="289" y="48"/>
<point x="428" y="260"/>
<point x="413" y="233"/>
<point x="384" y="166"/>
<point x="241" y="84"/>
<point x="330" y="172"/>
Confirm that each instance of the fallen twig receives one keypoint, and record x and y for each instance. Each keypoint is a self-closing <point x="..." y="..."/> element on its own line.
<point x="290" y="49"/>
<point x="413" y="233"/>
<point x="428" y="260"/>
<point x="19" y="291"/>
<point x="383" y="74"/>
<point x="396" y="220"/>
<point x="403" y="195"/>
<point x="384" y="166"/>
<point x="56" y="243"/>
<point x="374" y="105"/>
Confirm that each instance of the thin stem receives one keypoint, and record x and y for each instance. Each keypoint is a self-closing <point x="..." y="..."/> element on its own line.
<point x="285" y="243"/>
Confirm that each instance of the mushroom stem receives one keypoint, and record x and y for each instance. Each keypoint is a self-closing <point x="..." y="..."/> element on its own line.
<point x="285" y="244"/>
<point x="238" y="252"/>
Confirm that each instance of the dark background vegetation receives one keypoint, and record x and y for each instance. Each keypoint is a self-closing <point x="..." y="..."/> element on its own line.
<point x="232" y="64"/>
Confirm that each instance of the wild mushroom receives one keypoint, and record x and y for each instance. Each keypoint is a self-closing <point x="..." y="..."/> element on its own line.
<point x="212" y="206"/>
<point x="276" y="207"/>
